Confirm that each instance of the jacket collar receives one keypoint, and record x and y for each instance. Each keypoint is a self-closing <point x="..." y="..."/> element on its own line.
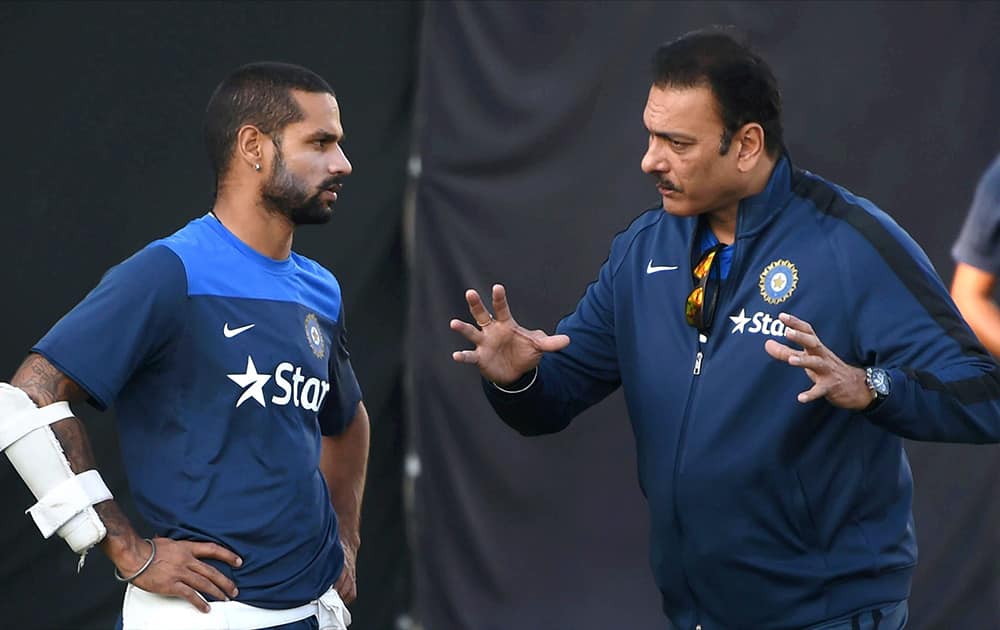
<point x="756" y="211"/>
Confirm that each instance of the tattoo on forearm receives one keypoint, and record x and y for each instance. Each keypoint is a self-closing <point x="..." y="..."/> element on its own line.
<point x="44" y="383"/>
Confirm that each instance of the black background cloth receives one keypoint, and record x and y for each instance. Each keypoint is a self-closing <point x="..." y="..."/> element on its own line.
<point x="529" y="129"/>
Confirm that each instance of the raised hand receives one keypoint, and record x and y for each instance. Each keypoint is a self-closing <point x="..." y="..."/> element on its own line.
<point x="176" y="570"/>
<point x="841" y="384"/>
<point x="504" y="350"/>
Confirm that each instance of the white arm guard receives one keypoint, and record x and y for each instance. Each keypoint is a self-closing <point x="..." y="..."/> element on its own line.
<point x="65" y="500"/>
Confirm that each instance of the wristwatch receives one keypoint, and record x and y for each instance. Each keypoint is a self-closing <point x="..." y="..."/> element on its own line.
<point x="878" y="383"/>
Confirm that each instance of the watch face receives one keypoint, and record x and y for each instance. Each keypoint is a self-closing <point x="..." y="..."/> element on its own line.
<point x="879" y="381"/>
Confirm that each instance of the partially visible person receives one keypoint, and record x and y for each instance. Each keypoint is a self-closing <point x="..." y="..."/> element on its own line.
<point x="977" y="261"/>
<point x="241" y="424"/>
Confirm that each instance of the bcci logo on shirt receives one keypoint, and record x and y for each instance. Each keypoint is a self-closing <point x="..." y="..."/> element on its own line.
<point x="314" y="335"/>
<point x="778" y="281"/>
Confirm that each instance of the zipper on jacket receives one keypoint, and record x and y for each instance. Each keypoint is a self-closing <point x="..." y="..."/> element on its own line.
<point x="699" y="357"/>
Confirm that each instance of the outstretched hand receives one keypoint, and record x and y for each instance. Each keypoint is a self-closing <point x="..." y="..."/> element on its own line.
<point x="504" y="350"/>
<point x="841" y="384"/>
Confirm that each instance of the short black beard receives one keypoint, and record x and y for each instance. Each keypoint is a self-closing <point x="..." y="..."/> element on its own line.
<point x="286" y="195"/>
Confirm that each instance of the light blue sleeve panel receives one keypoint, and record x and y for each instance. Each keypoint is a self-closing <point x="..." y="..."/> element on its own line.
<point x="125" y="323"/>
<point x="218" y="263"/>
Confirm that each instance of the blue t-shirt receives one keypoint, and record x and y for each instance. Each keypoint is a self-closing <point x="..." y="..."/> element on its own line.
<point x="979" y="242"/>
<point x="707" y="241"/>
<point x="225" y="367"/>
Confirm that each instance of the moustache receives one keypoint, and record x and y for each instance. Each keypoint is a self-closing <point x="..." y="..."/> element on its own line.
<point x="333" y="184"/>
<point x="666" y="183"/>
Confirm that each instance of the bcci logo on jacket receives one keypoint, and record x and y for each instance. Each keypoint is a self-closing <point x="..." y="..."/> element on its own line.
<point x="314" y="335"/>
<point x="778" y="281"/>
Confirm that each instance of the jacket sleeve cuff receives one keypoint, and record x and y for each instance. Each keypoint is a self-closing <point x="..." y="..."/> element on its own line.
<point x="892" y="405"/>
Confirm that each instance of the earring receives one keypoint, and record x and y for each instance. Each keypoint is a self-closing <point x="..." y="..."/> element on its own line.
<point x="256" y="167"/>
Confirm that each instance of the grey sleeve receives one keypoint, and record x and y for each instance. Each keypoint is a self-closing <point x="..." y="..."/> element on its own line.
<point x="978" y="243"/>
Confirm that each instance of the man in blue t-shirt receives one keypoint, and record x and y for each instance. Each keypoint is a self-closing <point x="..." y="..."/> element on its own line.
<point x="977" y="261"/>
<point x="241" y="424"/>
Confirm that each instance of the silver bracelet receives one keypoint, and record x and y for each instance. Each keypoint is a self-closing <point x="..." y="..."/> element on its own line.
<point x="523" y="389"/>
<point x="149" y="561"/>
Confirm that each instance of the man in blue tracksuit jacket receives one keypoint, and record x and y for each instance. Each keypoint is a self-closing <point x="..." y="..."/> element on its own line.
<point x="769" y="446"/>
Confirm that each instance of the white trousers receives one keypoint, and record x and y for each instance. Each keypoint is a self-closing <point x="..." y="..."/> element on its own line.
<point x="143" y="610"/>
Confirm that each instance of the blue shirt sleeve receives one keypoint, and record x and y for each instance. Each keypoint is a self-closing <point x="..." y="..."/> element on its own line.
<point x="125" y="323"/>
<point x="345" y="393"/>
<point x="979" y="242"/>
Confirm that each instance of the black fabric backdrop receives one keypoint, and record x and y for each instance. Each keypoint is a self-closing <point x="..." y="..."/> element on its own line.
<point x="101" y="109"/>
<point x="530" y="135"/>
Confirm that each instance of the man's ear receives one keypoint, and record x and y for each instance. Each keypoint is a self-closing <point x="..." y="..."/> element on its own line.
<point x="750" y="144"/>
<point x="250" y="147"/>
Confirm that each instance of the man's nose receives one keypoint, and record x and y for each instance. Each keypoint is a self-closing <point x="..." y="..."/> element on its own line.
<point x="340" y="165"/>
<point x="652" y="162"/>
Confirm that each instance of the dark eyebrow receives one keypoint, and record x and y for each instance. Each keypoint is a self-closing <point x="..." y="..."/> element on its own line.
<point x="325" y="136"/>
<point x="672" y="136"/>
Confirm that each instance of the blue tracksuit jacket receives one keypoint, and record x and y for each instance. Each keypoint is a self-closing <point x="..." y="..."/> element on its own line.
<point x="769" y="513"/>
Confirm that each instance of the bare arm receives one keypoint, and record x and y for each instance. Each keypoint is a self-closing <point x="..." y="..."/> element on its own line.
<point x="175" y="570"/>
<point x="972" y="290"/>
<point x="344" y="464"/>
<point x="45" y="385"/>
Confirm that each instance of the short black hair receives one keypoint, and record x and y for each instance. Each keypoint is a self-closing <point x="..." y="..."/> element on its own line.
<point x="256" y="94"/>
<point x="743" y="84"/>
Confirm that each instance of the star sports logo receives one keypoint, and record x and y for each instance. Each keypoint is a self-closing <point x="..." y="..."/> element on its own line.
<point x="760" y="323"/>
<point x="306" y="393"/>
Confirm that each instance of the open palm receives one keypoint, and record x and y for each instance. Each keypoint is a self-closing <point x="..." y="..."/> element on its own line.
<point x="504" y="350"/>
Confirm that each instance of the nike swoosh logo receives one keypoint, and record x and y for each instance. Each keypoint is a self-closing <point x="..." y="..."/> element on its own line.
<point x="651" y="269"/>
<point x="232" y="332"/>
